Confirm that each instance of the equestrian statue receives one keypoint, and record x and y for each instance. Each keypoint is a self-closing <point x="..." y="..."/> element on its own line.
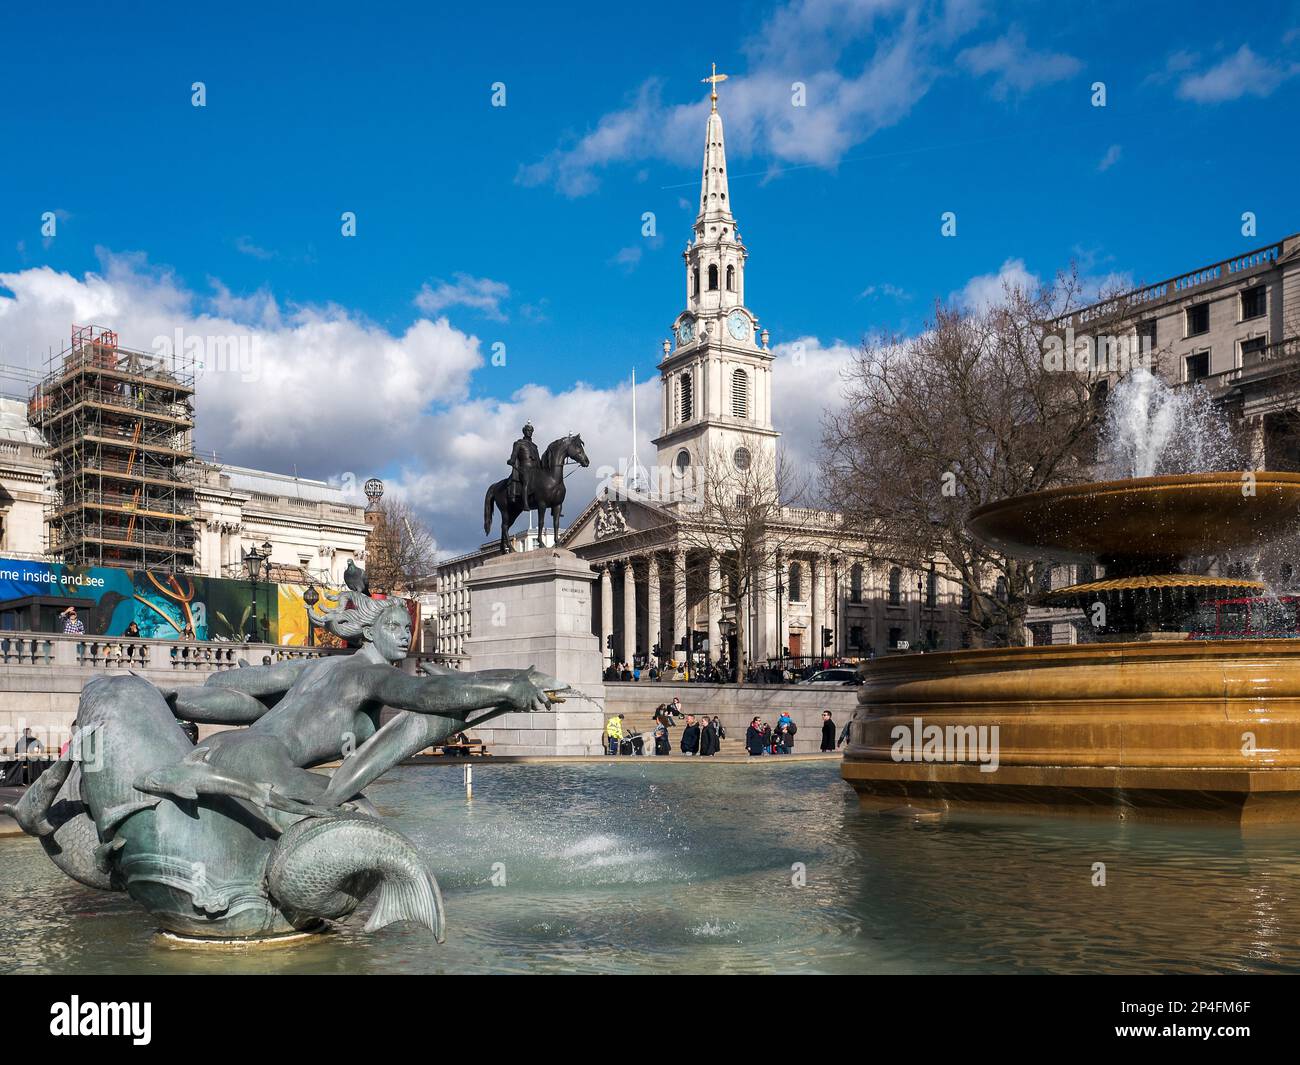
<point x="536" y="482"/>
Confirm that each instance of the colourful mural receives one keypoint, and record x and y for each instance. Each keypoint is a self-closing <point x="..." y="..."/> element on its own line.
<point x="163" y="604"/>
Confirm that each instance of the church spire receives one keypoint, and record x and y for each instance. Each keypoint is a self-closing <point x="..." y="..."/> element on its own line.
<point x="715" y="219"/>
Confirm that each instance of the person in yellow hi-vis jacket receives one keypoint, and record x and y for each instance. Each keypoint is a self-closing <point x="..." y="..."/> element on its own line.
<point x="614" y="732"/>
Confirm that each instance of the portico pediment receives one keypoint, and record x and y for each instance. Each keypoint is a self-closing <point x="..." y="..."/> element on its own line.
<point x="610" y="518"/>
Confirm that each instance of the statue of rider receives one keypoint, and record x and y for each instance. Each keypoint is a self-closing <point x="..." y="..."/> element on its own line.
<point x="524" y="457"/>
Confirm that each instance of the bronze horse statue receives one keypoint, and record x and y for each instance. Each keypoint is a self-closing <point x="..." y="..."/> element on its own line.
<point x="543" y="490"/>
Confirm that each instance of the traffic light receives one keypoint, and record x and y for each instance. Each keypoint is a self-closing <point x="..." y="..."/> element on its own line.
<point x="826" y="636"/>
<point x="654" y="651"/>
<point x="609" y="642"/>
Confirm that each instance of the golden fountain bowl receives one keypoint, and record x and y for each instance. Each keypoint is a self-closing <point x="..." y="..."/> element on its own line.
<point x="1178" y="516"/>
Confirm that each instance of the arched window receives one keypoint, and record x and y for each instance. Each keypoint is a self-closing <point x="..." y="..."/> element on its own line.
<point x="1000" y="589"/>
<point x="740" y="394"/>
<point x="855" y="583"/>
<point x="713" y="277"/>
<point x="794" y="584"/>
<point x="695" y="281"/>
<point x="731" y="279"/>
<point x="895" y="586"/>
<point x="684" y="397"/>
<point x="931" y="589"/>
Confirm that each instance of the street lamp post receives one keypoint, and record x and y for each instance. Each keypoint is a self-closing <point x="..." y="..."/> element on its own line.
<point x="311" y="597"/>
<point x="254" y="561"/>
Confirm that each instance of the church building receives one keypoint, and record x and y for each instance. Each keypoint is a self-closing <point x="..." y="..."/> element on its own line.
<point x="681" y="577"/>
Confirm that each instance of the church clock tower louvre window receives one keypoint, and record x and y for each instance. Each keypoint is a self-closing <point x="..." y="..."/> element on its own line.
<point x="684" y="397"/>
<point x="739" y="394"/>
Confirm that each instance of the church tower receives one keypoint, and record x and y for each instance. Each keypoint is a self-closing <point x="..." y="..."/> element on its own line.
<point x="716" y="372"/>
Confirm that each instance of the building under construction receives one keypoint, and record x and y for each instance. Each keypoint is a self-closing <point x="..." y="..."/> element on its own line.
<point x="119" y="425"/>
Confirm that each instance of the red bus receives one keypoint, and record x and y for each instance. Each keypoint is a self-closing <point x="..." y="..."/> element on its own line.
<point x="1254" y="618"/>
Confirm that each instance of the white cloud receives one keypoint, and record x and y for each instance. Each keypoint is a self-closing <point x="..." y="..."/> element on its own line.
<point x="886" y="289"/>
<point x="1015" y="66"/>
<point x="245" y="246"/>
<point x="1110" y="158"/>
<point x="480" y="293"/>
<point x="319" y="388"/>
<point x="805" y="41"/>
<point x="627" y="257"/>
<point x="984" y="290"/>
<point x="1241" y="74"/>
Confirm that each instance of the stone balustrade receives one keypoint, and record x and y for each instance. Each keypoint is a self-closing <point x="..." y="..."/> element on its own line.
<point x="49" y="650"/>
<point x="42" y="674"/>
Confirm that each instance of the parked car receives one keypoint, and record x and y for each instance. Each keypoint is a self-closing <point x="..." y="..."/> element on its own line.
<point x="835" y="676"/>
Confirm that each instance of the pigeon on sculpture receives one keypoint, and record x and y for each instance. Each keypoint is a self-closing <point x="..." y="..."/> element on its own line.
<point x="355" y="578"/>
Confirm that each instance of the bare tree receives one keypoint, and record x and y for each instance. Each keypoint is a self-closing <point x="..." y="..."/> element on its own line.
<point x="746" y="509"/>
<point x="972" y="410"/>
<point x="400" y="549"/>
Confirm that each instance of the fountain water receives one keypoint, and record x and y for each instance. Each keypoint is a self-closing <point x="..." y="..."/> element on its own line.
<point x="1150" y="428"/>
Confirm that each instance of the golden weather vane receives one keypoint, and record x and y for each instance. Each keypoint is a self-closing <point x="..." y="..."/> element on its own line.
<point x="713" y="79"/>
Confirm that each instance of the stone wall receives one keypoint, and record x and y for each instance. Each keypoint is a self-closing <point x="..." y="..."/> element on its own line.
<point x="736" y="706"/>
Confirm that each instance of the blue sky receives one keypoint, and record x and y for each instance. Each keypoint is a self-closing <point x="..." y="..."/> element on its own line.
<point x="521" y="224"/>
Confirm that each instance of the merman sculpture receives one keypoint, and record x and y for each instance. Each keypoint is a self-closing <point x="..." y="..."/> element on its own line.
<point x="236" y="838"/>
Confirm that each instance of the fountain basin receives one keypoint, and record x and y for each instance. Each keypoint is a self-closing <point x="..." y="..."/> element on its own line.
<point x="1145" y="519"/>
<point x="1186" y="731"/>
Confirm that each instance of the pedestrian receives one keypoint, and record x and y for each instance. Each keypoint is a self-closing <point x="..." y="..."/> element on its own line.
<point x="708" y="738"/>
<point x="844" y="734"/>
<point x="828" y="731"/>
<point x="754" y="738"/>
<point x="676" y="708"/>
<point x="722" y="733"/>
<point x="132" y="630"/>
<point x="28" y="744"/>
<point x="72" y="625"/>
<point x="691" y="736"/>
<point x="662" y="746"/>
<point x="614" y="732"/>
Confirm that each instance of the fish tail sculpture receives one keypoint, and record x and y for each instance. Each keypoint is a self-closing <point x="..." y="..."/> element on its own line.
<point x="325" y="867"/>
<point x="52" y="810"/>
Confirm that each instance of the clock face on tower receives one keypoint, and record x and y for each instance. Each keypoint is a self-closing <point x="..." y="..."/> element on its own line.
<point x="685" y="331"/>
<point x="738" y="325"/>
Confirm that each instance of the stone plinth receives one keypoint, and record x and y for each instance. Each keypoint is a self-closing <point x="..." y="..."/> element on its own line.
<point x="533" y="608"/>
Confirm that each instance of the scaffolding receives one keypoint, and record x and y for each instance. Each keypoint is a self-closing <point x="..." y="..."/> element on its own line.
<point x="119" y="425"/>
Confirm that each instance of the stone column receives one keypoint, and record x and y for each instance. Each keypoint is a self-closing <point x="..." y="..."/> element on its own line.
<point x="714" y="606"/>
<point x="1257" y="443"/>
<point x="772" y="639"/>
<point x="679" y="602"/>
<point x="816" y="577"/>
<point x="629" y="611"/>
<point x="652" y="634"/>
<point x="606" y="613"/>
